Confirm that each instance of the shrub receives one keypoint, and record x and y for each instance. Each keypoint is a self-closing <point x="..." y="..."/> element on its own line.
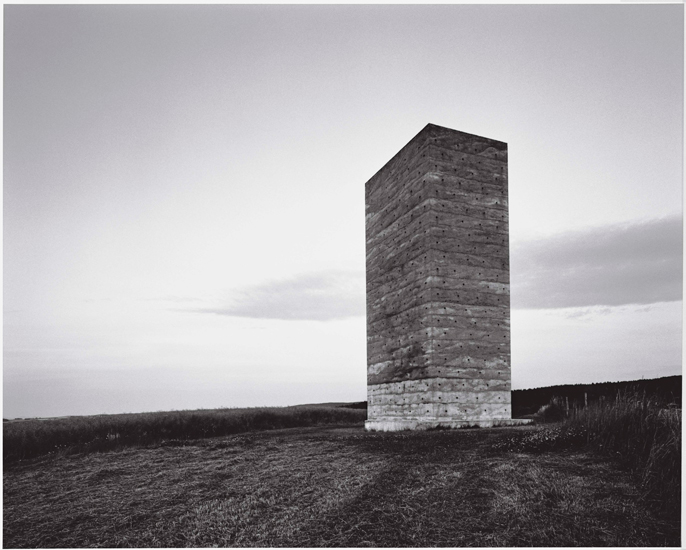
<point x="552" y="412"/>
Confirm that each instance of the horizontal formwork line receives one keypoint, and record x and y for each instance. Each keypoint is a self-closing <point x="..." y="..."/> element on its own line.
<point x="383" y="215"/>
<point x="434" y="144"/>
<point x="472" y="345"/>
<point x="472" y="163"/>
<point x="489" y="166"/>
<point x="381" y="327"/>
<point x="381" y="386"/>
<point x="453" y="279"/>
<point x="471" y="235"/>
<point x="385" y="364"/>
<point x="382" y="352"/>
<point x="494" y="276"/>
<point x="373" y="318"/>
<point x="448" y="376"/>
<point x="428" y="242"/>
<point x="399" y="201"/>
<point x="377" y="257"/>
<point x="443" y="247"/>
<point x="439" y="178"/>
<point x="395" y="167"/>
<point x="396" y="387"/>
<point x="436" y="320"/>
<point x="455" y="258"/>
<point x="457" y="170"/>
<point x="463" y="372"/>
<point x="433" y="223"/>
<point x="467" y="236"/>
<point x="417" y="286"/>
<point x="372" y="381"/>
<point x="475" y="338"/>
<point x="462" y="175"/>
<point x="417" y="291"/>
<point x="437" y="182"/>
<point x="391" y="309"/>
<point x="387" y="209"/>
<point x="476" y="385"/>
<point x="451" y="304"/>
<point x="443" y="191"/>
<point x="440" y="323"/>
<point x="380" y="189"/>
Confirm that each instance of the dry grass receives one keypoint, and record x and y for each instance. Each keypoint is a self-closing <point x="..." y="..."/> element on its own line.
<point x="37" y="437"/>
<point x="642" y="433"/>
<point x="638" y="432"/>
<point x="326" y="486"/>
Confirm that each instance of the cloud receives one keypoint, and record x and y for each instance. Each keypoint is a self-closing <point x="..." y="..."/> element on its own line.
<point x="587" y="313"/>
<point x="172" y="298"/>
<point x="319" y="296"/>
<point x="638" y="263"/>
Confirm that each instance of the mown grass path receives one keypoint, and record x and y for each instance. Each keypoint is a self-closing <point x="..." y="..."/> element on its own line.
<point x="336" y="486"/>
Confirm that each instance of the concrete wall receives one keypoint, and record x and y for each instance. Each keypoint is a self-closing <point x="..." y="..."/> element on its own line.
<point x="438" y="294"/>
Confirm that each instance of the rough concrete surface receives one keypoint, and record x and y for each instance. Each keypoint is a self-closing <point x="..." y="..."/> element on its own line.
<point x="438" y="284"/>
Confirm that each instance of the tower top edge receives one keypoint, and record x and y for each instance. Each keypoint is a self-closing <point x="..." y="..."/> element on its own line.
<point x="435" y="128"/>
<point x="442" y="137"/>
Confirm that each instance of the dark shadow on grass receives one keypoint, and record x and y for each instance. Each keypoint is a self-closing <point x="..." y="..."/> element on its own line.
<point x="416" y="502"/>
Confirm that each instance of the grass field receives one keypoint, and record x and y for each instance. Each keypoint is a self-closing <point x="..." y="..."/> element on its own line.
<point x="31" y="438"/>
<point x="333" y="486"/>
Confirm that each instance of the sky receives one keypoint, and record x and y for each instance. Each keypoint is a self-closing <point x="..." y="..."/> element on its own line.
<point x="183" y="191"/>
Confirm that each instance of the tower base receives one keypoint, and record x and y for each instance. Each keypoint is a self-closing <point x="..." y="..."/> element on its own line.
<point x="397" y="424"/>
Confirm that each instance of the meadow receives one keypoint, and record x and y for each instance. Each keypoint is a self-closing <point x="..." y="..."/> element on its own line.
<point x="590" y="479"/>
<point x="31" y="438"/>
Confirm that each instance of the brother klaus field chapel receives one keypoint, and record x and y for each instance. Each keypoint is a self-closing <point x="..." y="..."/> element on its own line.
<point x="438" y="284"/>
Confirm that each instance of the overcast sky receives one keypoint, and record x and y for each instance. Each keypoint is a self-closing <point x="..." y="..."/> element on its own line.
<point x="184" y="191"/>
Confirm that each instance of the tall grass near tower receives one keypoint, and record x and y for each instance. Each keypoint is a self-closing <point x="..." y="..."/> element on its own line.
<point x="644" y="434"/>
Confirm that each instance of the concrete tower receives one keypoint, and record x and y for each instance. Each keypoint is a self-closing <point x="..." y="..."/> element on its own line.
<point x="438" y="284"/>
